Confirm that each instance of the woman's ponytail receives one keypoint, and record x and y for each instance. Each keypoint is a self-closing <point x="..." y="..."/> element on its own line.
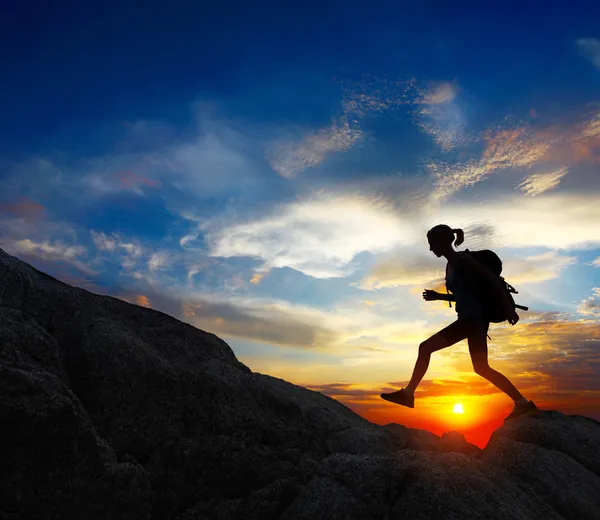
<point x="460" y="236"/>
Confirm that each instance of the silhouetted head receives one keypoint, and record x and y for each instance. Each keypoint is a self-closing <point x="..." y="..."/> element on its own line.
<point x="440" y="239"/>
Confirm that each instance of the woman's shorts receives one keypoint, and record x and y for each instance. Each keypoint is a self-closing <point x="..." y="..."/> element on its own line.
<point x="463" y="328"/>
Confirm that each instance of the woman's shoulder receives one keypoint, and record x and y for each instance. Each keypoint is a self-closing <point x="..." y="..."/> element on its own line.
<point x="463" y="257"/>
<point x="463" y="261"/>
<point x="459" y="258"/>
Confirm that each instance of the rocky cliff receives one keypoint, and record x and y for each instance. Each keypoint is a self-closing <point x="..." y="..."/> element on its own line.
<point x="113" y="411"/>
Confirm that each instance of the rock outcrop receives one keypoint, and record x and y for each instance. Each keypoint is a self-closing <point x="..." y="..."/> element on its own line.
<point x="113" y="411"/>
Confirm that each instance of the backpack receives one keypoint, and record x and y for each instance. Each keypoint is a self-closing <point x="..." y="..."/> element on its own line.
<point x="493" y="309"/>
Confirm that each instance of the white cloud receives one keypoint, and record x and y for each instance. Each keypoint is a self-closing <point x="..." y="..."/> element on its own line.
<point x="130" y="254"/>
<point x="521" y="148"/>
<point x="158" y="261"/>
<point x="538" y="183"/>
<point x="437" y="109"/>
<point x="103" y="242"/>
<point x="44" y="241"/>
<point x="441" y="116"/>
<point x="282" y="323"/>
<point x="591" y="306"/>
<point x="404" y="267"/>
<point x="57" y="250"/>
<point x="216" y="160"/>
<point x="51" y="251"/>
<point x="101" y="184"/>
<point x="591" y="49"/>
<point x="290" y="157"/>
<point x="595" y="263"/>
<point x="445" y="124"/>
<point x="131" y="248"/>
<point x="536" y="268"/>
<point x="591" y="128"/>
<point x="439" y="94"/>
<point x="213" y="164"/>
<point x="515" y="148"/>
<point x="553" y="220"/>
<point x="319" y="237"/>
<point x="113" y="242"/>
<point x="376" y="96"/>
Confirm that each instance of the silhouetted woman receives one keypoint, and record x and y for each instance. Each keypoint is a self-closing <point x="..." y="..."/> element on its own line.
<point x="464" y="275"/>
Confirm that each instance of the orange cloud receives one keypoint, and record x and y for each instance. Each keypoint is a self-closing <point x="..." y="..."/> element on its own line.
<point x="188" y="310"/>
<point x="554" y="147"/>
<point x="576" y="151"/>
<point x="143" y="301"/>
<point x="578" y="144"/>
<point x="138" y="299"/>
<point x="257" y="278"/>
<point x="565" y="146"/>
<point x="516" y="147"/>
<point x="23" y="208"/>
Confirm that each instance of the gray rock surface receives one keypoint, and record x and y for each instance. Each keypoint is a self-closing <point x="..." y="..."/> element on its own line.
<point x="114" y="411"/>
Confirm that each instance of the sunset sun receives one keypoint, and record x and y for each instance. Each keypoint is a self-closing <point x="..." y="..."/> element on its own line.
<point x="458" y="408"/>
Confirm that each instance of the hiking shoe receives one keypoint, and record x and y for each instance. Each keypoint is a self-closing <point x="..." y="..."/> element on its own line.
<point x="522" y="409"/>
<point x="400" y="397"/>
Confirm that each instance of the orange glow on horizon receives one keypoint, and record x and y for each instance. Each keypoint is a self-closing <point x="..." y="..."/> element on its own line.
<point x="476" y="431"/>
<point x="438" y="404"/>
<point x="481" y="414"/>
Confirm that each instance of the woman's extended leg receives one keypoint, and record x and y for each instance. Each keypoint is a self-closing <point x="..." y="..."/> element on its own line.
<point x="479" y="356"/>
<point x="446" y="337"/>
<point x="428" y="347"/>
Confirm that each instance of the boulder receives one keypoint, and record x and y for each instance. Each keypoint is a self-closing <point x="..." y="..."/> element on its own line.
<point x="114" y="411"/>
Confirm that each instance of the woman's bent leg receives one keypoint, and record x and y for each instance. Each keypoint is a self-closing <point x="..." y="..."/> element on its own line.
<point x="479" y="357"/>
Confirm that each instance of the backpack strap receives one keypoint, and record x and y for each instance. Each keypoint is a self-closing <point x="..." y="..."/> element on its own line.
<point x="446" y="283"/>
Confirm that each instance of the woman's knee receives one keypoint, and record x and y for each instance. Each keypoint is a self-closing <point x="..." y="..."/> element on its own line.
<point x="435" y="342"/>
<point x="482" y="368"/>
<point x="424" y="349"/>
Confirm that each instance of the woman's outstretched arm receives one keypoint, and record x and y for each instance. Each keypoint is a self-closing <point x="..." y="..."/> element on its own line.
<point x="447" y="297"/>
<point x="430" y="295"/>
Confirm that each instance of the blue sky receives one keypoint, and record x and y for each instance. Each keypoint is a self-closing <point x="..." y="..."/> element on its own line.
<point x="268" y="172"/>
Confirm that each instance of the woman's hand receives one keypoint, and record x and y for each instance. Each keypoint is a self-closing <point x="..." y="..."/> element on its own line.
<point x="430" y="295"/>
